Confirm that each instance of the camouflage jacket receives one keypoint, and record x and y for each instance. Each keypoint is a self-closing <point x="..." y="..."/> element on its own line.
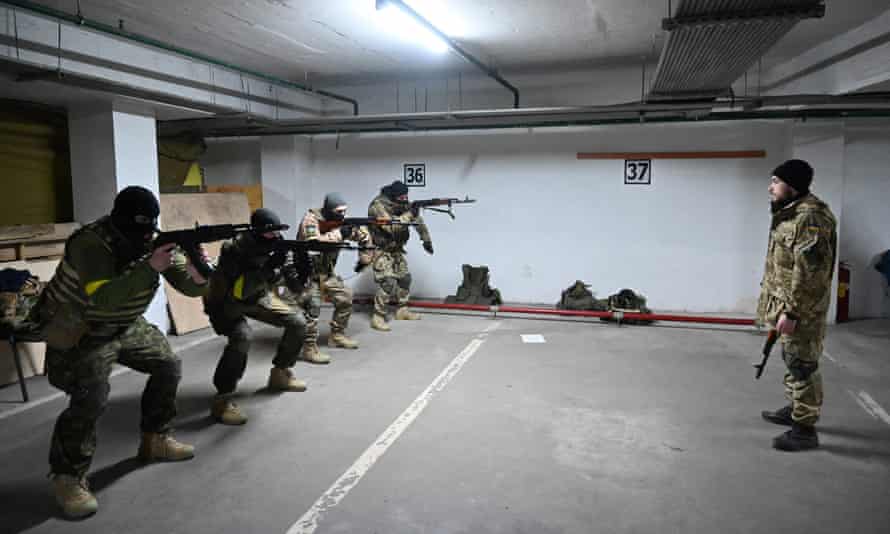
<point x="102" y="282"/>
<point x="242" y="273"/>
<point x="325" y="263"/>
<point x="800" y="262"/>
<point x="390" y="237"/>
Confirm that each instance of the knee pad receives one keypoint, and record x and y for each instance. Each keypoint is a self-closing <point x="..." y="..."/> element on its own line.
<point x="405" y="282"/>
<point x="389" y="285"/>
<point x="172" y="368"/>
<point x="89" y="400"/>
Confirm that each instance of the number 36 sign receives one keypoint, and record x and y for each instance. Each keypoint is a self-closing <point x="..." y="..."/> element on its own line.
<point x="415" y="174"/>
<point x="638" y="171"/>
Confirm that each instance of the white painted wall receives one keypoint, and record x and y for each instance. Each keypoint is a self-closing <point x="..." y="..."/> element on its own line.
<point x="285" y="166"/>
<point x="694" y="240"/>
<point x="112" y="148"/>
<point x="865" y="231"/>
<point x="93" y="181"/>
<point x="234" y="161"/>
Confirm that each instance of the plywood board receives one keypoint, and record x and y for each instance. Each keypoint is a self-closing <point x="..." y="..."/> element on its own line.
<point x="179" y="211"/>
<point x="254" y="193"/>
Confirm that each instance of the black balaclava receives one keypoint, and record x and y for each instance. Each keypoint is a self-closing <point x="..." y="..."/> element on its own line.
<point x="393" y="191"/>
<point x="332" y="201"/>
<point x="798" y="174"/>
<point x="135" y="215"/>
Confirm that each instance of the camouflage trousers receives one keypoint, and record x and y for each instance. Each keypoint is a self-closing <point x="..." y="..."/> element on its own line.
<point x="230" y="320"/>
<point x="310" y="301"/>
<point x="393" y="280"/>
<point x="803" y="380"/>
<point x="83" y="371"/>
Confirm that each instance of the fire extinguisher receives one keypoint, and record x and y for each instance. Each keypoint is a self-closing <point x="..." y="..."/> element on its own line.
<point x="843" y="292"/>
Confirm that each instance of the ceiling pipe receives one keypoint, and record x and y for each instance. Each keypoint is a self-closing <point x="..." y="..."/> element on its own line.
<point x="142" y="39"/>
<point x="453" y="45"/>
<point x="782" y="107"/>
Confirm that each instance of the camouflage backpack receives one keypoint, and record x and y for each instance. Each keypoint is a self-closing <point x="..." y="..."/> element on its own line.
<point x="578" y="297"/>
<point x="626" y="300"/>
<point x="19" y="291"/>
<point x="475" y="289"/>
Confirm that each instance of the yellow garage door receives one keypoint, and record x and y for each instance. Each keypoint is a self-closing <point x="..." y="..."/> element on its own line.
<point x="35" y="168"/>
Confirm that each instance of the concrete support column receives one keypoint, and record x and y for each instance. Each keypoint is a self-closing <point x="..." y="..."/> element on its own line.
<point x="285" y="165"/>
<point x="112" y="147"/>
<point x="823" y="146"/>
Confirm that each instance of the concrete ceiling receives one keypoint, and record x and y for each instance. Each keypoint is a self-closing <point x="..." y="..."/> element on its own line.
<point x="323" y="41"/>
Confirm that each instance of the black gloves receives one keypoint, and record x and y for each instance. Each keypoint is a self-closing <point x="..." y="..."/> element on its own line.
<point x="269" y="270"/>
<point x="346" y="232"/>
<point x="428" y="246"/>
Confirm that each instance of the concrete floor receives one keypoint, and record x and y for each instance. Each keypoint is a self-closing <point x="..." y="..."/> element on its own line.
<point x="600" y="429"/>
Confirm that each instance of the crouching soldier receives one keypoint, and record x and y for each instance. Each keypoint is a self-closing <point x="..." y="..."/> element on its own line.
<point x="250" y="270"/>
<point x="91" y="317"/>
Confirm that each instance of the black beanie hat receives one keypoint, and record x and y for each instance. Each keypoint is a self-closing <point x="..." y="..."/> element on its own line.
<point x="395" y="190"/>
<point x="797" y="173"/>
<point x="332" y="201"/>
<point x="263" y="218"/>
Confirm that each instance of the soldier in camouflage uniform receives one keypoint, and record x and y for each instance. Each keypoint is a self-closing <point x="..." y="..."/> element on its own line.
<point x="245" y="284"/>
<point x="324" y="281"/>
<point x="390" y="266"/>
<point x="795" y="295"/>
<point x="91" y="317"/>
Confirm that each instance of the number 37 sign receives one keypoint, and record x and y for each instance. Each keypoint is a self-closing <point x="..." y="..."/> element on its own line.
<point x="638" y="171"/>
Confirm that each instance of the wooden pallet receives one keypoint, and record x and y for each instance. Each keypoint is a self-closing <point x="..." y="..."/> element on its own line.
<point x="26" y="242"/>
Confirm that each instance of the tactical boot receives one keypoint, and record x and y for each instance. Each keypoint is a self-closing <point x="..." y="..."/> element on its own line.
<point x="339" y="339"/>
<point x="799" y="438"/>
<point x="283" y="380"/>
<point x="163" y="447"/>
<point x="227" y="412"/>
<point x="74" y="497"/>
<point x="378" y="322"/>
<point x="404" y="314"/>
<point x="311" y="354"/>
<point x="782" y="416"/>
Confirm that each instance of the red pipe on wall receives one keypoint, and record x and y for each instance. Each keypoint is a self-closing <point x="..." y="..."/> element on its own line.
<point x="618" y="316"/>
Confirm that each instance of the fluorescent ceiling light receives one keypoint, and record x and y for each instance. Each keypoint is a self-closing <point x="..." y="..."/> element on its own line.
<point x="403" y="25"/>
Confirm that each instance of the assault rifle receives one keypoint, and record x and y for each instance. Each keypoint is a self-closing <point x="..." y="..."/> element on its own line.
<point x="326" y="226"/>
<point x="190" y="240"/>
<point x="767" y="348"/>
<point x="428" y="204"/>
<point x="313" y="245"/>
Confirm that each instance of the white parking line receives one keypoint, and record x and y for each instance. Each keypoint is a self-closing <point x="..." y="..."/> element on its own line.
<point x="871" y="406"/>
<point x="116" y="372"/>
<point x="348" y="480"/>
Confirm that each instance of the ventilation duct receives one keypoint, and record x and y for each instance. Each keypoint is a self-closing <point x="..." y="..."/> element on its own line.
<point x="711" y="43"/>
